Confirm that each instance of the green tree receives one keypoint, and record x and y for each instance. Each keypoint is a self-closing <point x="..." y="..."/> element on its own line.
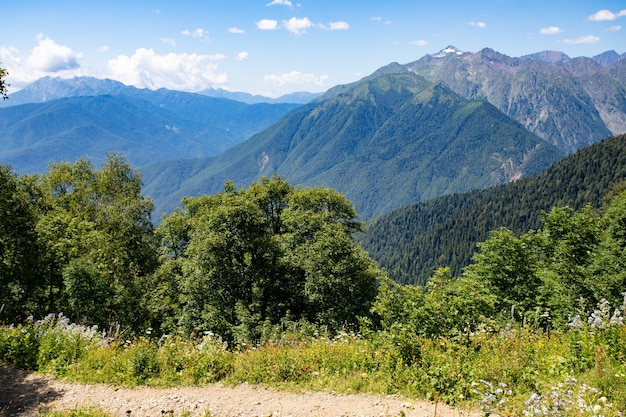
<point x="608" y="267"/>
<point x="99" y="241"/>
<point x="256" y="256"/>
<point x="19" y="251"/>
<point x="509" y="265"/>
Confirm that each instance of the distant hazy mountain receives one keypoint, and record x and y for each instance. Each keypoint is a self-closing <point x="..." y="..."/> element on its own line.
<point x="391" y="139"/>
<point x="50" y="88"/>
<point x="570" y="103"/>
<point x="608" y="58"/>
<point x="299" y="97"/>
<point x="551" y="57"/>
<point x="99" y="116"/>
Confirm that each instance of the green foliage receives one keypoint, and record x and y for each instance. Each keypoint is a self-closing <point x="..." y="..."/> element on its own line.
<point x="20" y="253"/>
<point x="248" y="259"/>
<point x="412" y="242"/>
<point x="96" y="229"/>
<point x="511" y="369"/>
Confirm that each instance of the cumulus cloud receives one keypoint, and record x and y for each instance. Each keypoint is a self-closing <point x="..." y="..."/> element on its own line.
<point x="280" y="3"/>
<point x="419" y="42"/>
<point x="582" y="40"/>
<point x="296" y="78"/>
<point x="602" y="15"/>
<point x="615" y="28"/>
<point x="236" y="31"/>
<point x="481" y="25"/>
<point x="187" y="72"/>
<point x="103" y="48"/>
<point x="550" y="30"/>
<point x="267" y="24"/>
<point x="297" y="26"/>
<point x="241" y="56"/>
<point x="47" y="58"/>
<point x="198" y="33"/>
<point x="50" y="57"/>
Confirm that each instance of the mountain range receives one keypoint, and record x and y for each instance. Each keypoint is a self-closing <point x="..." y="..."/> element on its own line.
<point x="67" y="119"/>
<point x="570" y="103"/>
<point x="447" y="123"/>
<point x="389" y="140"/>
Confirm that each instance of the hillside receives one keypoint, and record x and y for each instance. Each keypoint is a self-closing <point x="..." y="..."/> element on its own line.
<point x="570" y="103"/>
<point x="386" y="141"/>
<point x="146" y="126"/>
<point x="414" y="240"/>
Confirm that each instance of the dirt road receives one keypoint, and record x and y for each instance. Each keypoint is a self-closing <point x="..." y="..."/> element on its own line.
<point x="25" y="393"/>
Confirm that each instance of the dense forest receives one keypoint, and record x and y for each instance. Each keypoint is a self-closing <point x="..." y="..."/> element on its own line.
<point x="413" y="241"/>
<point x="268" y="284"/>
<point x="243" y="262"/>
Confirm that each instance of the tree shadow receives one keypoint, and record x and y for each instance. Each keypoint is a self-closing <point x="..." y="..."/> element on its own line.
<point x="24" y="394"/>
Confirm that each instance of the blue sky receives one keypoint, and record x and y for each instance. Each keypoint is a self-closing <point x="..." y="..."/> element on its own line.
<point x="274" y="47"/>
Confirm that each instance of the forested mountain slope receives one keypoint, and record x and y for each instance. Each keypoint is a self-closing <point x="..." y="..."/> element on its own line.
<point x="414" y="240"/>
<point x="391" y="139"/>
<point x="144" y="125"/>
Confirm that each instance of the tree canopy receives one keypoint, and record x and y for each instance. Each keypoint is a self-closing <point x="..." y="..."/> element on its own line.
<point x="243" y="260"/>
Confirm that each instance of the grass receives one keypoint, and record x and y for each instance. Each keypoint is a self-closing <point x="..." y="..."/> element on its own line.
<point x="469" y="372"/>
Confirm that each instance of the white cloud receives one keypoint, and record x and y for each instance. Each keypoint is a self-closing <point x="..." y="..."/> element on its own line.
<point x="50" y="57"/>
<point x="168" y="41"/>
<point x="186" y="72"/>
<point x="297" y="26"/>
<point x="582" y="40"/>
<point x="267" y="24"/>
<point x="604" y="14"/>
<point x="296" y="78"/>
<point x="280" y="3"/>
<point x="481" y="25"/>
<point x="615" y="28"/>
<point x="47" y="58"/>
<point x="241" y="56"/>
<point x="198" y="33"/>
<point x="550" y="30"/>
<point x="336" y="26"/>
<point x="103" y="48"/>
<point x="236" y="31"/>
<point x="419" y="42"/>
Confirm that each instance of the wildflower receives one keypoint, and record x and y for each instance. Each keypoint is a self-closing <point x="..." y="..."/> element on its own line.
<point x="576" y="322"/>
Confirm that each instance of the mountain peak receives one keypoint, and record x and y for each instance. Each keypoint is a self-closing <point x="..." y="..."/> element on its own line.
<point x="550" y="57"/>
<point x="448" y="50"/>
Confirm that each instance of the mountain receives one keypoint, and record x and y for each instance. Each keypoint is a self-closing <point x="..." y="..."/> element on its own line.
<point x="608" y="58"/>
<point x="298" y="97"/>
<point x="50" y="88"/>
<point x="551" y="57"/>
<point x="386" y="141"/>
<point x="413" y="241"/>
<point x="98" y="116"/>
<point x="570" y="103"/>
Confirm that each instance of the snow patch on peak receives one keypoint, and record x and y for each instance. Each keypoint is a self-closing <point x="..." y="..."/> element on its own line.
<point x="448" y="50"/>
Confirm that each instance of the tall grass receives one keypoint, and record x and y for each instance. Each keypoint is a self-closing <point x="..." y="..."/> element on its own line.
<point x="516" y="370"/>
